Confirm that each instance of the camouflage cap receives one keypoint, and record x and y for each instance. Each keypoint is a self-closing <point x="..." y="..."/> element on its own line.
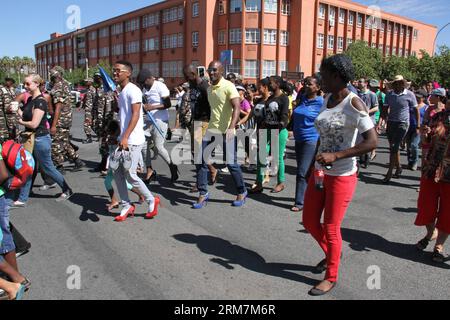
<point x="57" y="71"/>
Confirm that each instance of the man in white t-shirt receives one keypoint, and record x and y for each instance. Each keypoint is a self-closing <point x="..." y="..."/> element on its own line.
<point x="131" y="139"/>
<point x="157" y="102"/>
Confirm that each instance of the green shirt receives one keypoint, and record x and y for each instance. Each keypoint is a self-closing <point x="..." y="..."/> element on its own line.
<point x="219" y="97"/>
<point x="2" y="191"/>
<point x="381" y="95"/>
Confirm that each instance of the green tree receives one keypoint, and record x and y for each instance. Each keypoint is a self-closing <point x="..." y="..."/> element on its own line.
<point x="442" y="63"/>
<point x="75" y="76"/>
<point x="367" y="61"/>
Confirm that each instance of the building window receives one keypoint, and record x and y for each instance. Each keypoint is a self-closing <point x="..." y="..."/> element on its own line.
<point x="93" y="35"/>
<point x="93" y="53"/>
<point x="173" y="14"/>
<point x="270" y="36"/>
<point x="253" y="5"/>
<point x="132" y="25"/>
<point x="415" y="35"/>
<point x="180" y="40"/>
<point x="349" y="42"/>
<point x="251" y="69"/>
<point x="402" y="31"/>
<point x="396" y="29"/>
<point x="383" y="27"/>
<point x="235" y="36"/>
<point x="380" y="47"/>
<point x="283" y="67"/>
<point x="55" y="46"/>
<point x="153" y="67"/>
<point x="151" y="44"/>
<point x="117" y="50"/>
<point x="332" y="16"/>
<point x="180" y="13"/>
<point x="61" y="44"/>
<point x="221" y="7"/>
<point x="341" y="16"/>
<point x="321" y="11"/>
<point x="269" y="68"/>
<point x="133" y="47"/>
<point x="117" y="29"/>
<point x="408" y="32"/>
<point x="374" y="45"/>
<point x="351" y="18"/>
<point x="103" y="52"/>
<point x="360" y="19"/>
<point x="150" y="20"/>
<point x="174" y="41"/>
<point x="271" y="6"/>
<point x="341" y="43"/>
<point x="284" y="38"/>
<point x="389" y="27"/>
<point x="235" y="6"/>
<point x="236" y="67"/>
<point x="320" y="41"/>
<point x="400" y="52"/>
<point x="195" y="39"/>
<point x="330" y="42"/>
<point x="104" y="32"/>
<point x="195" y="9"/>
<point x="61" y="58"/>
<point x="221" y="37"/>
<point x="286" y="7"/>
<point x="252" y="36"/>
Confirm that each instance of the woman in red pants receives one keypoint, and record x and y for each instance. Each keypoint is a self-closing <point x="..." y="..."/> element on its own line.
<point x="434" y="201"/>
<point x="341" y="118"/>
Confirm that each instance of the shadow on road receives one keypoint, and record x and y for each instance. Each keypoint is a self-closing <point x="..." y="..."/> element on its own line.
<point x="93" y="206"/>
<point x="366" y="241"/>
<point x="227" y="254"/>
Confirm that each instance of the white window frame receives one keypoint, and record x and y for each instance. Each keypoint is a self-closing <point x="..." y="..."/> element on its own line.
<point x="331" y="42"/>
<point x="221" y="37"/>
<point x="270" y="36"/>
<point x="221" y="7"/>
<point x="251" y="69"/>
<point x="195" y="9"/>
<point x="340" y="43"/>
<point x="269" y="68"/>
<point x="195" y="39"/>
<point x="341" y="16"/>
<point x="320" y="41"/>
<point x="236" y="67"/>
<point x="284" y="38"/>
<point x="252" y="5"/>
<point x="322" y="11"/>
<point x="252" y="36"/>
<point x="270" y="6"/>
<point x="235" y="36"/>
<point x="359" y="18"/>
<point x="351" y="18"/>
<point x="235" y="6"/>
<point x="286" y="7"/>
<point x="283" y="66"/>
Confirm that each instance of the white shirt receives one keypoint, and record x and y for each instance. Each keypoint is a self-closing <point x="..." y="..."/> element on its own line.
<point x="155" y="96"/>
<point x="130" y="95"/>
<point x="338" y="128"/>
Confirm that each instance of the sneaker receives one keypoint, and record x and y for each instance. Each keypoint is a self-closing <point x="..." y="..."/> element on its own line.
<point x="65" y="196"/>
<point x="17" y="204"/>
<point x="225" y="170"/>
<point x="46" y="187"/>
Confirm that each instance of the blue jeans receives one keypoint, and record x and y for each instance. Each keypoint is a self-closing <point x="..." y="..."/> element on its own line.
<point x="43" y="157"/>
<point x="304" y="151"/>
<point x="413" y="141"/>
<point x="7" y="243"/>
<point x="230" y="150"/>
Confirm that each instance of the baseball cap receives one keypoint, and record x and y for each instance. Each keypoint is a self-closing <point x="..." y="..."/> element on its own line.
<point x="55" y="71"/>
<point x="440" y="92"/>
<point x="398" y="78"/>
<point x="374" y="83"/>
<point x="240" y="88"/>
<point x="421" y="93"/>
<point x="143" y="75"/>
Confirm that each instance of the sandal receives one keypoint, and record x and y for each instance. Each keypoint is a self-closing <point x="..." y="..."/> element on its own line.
<point x="256" y="189"/>
<point x="279" y="188"/>
<point x="296" y="209"/>
<point x="112" y="206"/>
<point x="438" y="256"/>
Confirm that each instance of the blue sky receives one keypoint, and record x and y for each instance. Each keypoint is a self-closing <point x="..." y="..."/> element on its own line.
<point x="19" y="36"/>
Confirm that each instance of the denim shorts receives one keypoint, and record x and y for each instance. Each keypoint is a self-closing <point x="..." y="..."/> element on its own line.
<point x="396" y="132"/>
<point x="7" y="244"/>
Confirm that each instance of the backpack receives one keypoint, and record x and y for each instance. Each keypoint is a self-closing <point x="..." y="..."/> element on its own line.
<point x="185" y="111"/>
<point x="19" y="162"/>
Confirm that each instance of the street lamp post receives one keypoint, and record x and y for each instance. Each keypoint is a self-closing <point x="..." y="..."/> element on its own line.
<point x="434" y="43"/>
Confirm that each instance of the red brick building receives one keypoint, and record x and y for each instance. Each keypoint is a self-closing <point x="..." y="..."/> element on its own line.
<point x="266" y="36"/>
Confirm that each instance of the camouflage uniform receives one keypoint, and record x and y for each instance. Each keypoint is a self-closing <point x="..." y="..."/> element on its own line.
<point x="105" y="110"/>
<point x="88" y="106"/>
<point x="61" y="146"/>
<point x="8" y="120"/>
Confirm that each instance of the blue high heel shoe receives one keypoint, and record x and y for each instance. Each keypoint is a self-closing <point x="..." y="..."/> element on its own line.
<point x="241" y="202"/>
<point x="202" y="204"/>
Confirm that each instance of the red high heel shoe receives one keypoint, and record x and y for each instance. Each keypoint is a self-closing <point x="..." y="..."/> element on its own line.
<point x="130" y="212"/>
<point x="154" y="213"/>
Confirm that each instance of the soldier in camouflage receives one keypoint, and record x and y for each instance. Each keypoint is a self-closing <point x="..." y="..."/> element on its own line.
<point x="8" y="119"/>
<point x="105" y="112"/>
<point x="62" y="121"/>
<point x="88" y="104"/>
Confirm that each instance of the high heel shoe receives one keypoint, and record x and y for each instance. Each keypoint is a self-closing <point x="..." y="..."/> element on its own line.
<point x="152" y="178"/>
<point x="240" y="203"/>
<point x="123" y="218"/>
<point x="174" y="172"/>
<point x="154" y="213"/>
<point x="204" y="203"/>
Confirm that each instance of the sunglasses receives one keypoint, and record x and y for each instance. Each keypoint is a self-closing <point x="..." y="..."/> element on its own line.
<point x="119" y="70"/>
<point x="213" y="69"/>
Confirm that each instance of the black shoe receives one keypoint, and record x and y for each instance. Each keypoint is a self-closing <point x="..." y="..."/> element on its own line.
<point x="317" y="292"/>
<point x="88" y="140"/>
<point x="78" y="165"/>
<point x="174" y="173"/>
<point x="169" y="135"/>
<point x="153" y="178"/>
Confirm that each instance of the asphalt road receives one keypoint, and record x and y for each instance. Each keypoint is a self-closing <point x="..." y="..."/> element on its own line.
<point x="258" y="252"/>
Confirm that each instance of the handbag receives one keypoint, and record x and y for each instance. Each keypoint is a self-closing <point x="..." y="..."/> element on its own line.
<point x="27" y="140"/>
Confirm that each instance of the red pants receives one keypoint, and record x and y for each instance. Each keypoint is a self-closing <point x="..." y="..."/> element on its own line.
<point x="333" y="202"/>
<point x="434" y="203"/>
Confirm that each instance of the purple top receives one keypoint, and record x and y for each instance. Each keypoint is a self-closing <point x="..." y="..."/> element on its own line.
<point x="245" y="106"/>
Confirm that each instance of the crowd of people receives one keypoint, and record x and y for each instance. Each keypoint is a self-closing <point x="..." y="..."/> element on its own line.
<point x="334" y="120"/>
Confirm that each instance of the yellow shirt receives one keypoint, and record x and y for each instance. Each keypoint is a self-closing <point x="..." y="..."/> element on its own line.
<point x="219" y="97"/>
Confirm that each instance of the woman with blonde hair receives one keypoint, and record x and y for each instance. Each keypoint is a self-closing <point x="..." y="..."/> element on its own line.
<point x="33" y="118"/>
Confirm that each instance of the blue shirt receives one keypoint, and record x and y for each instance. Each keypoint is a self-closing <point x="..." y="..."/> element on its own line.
<point x="399" y="105"/>
<point x="304" y="116"/>
<point x="422" y="113"/>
